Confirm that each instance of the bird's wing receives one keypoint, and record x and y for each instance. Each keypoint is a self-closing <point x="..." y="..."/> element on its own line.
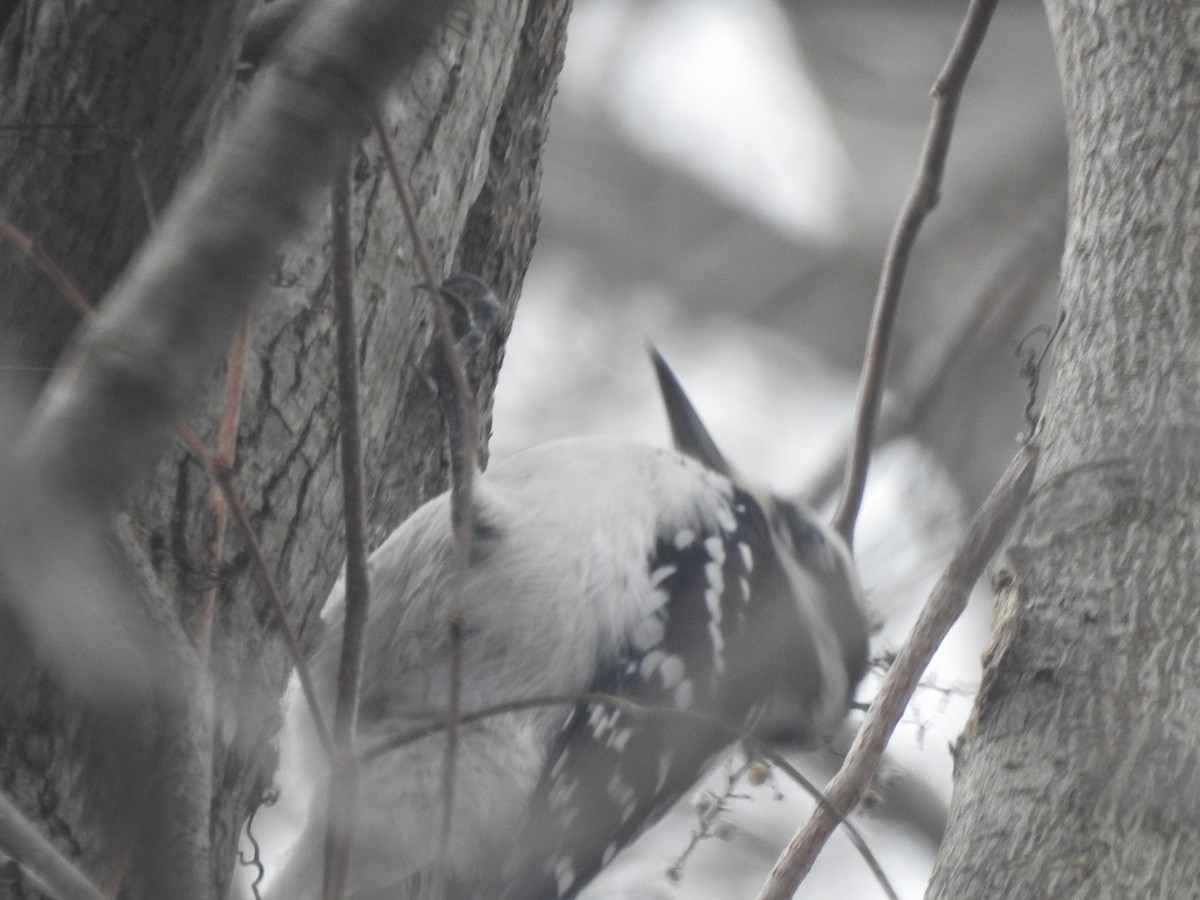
<point x="690" y="663"/>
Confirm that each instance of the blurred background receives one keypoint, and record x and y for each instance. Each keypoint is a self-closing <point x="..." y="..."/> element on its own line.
<point x="721" y="179"/>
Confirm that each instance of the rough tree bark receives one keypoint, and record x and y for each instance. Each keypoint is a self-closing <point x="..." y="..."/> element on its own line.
<point x="1078" y="775"/>
<point x="118" y="86"/>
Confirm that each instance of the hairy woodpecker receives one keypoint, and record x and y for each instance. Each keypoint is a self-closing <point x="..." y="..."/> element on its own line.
<point x="597" y="566"/>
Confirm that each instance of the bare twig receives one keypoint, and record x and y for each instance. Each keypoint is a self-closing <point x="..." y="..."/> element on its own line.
<point x="66" y="287"/>
<point x="921" y="201"/>
<point x="24" y="843"/>
<point x="231" y="411"/>
<point x="266" y="579"/>
<point x="709" y="817"/>
<point x="1005" y="296"/>
<point x="136" y="149"/>
<point x="458" y="407"/>
<point x="855" y="836"/>
<point x="984" y="535"/>
<point x="463" y="406"/>
<point x="218" y="509"/>
<point x="340" y="835"/>
<point x="463" y="472"/>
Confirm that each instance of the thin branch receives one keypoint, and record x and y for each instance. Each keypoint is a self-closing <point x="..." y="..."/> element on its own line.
<point x="1007" y="293"/>
<point x="458" y="401"/>
<point x="924" y="197"/>
<point x="266" y="579"/>
<point x="30" y="247"/>
<point x="25" y="844"/>
<point x="458" y="409"/>
<point x="218" y="508"/>
<point x="136" y="147"/>
<point x="709" y="818"/>
<point x="949" y="597"/>
<point x="231" y="411"/>
<point x="343" y="787"/>
<point x="463" y="406"/>
<point x="855" y="836"/>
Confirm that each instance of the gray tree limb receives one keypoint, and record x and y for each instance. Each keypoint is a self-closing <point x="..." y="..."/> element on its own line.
<point x="108" y="413"/>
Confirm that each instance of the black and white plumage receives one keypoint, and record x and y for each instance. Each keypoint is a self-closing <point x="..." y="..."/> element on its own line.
<point x="597" y="566"/>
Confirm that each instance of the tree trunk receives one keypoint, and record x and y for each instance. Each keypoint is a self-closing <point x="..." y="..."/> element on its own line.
<point x="156" y="78"/>
<point x="1078" y="774"/>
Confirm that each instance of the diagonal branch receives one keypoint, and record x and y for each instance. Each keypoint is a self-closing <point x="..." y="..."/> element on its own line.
<point x="460" y="409"/>
<point x="947" y="601"/>
<point x="262" y="568"/>
<point x="107" y="413"/>
<point x="217" y="466"/>
<point x="66" y="287"/>
<point x="1007" y="294"/>
<point x="923" y="198"/>
<point x="25" y="843"/>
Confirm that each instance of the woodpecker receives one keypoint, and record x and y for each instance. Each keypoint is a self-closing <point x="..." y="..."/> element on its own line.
<point x="597" y="566"/>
